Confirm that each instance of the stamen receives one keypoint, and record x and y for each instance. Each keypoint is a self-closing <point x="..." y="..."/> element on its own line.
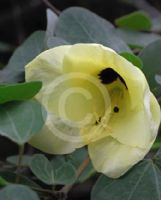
<point x="98" y="120"/>
<point x="116" y="98"/>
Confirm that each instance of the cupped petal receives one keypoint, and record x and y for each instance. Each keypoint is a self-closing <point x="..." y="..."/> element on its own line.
<point x="112" y="158"/>
<point x="137" y="127"/>
<point x="53" y="139"/>
<point x="155" y="115"/>
<point x="64" y="94"/>
<point x="93" y="58"/>
<point x="47" y="65"/>
<point x="87" y="58"/>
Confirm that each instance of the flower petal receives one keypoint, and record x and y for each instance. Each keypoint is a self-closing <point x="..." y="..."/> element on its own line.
<point x="155" y="115"/>
<point x="137" y="127"/>
<point x="93" y="58"/>
<point x="46" y="66"/>
<point x="87" y="58"/>
<point x="113" y="158"/>
<point x="49" y="141"/>
<point x="132" y="125"/>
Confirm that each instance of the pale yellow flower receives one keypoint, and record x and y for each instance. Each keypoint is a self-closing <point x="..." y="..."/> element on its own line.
<point x="97" y="98"/>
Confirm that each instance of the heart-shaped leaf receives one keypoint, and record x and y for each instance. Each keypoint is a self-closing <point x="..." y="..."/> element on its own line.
<point x="79" y="25"/>
<point x="52" y="42"/>
<point x="14" y="71"/>
<point x="58" y="171"/>
<point x="19" y="121"/>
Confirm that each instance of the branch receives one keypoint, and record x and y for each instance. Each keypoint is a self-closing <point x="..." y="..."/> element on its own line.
<point x="65" y="190"/>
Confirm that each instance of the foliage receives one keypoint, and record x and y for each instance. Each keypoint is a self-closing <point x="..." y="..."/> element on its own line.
<point x="21" y="118"/>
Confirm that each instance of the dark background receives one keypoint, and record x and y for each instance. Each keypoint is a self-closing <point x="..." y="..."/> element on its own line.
<point x="19" y="18"/>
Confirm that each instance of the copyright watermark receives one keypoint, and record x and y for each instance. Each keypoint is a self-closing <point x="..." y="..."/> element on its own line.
<point x="74" y="101"/>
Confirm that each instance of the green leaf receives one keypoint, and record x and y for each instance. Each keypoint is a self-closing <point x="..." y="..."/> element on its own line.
<point x="152" y="64"/>
<point x="158" y="79"/>
<point x="142" y="182"/>
<point x="138" y="21"/>
<point x="137" y="39"/>
<point x="52" y="20"/>
<point x="135" y="60"/>
<point x="26" y="159"/>
<point x="18" y="192"/>
<point x="76" y="158"/>
<point x="52" y="42"/>
<point x="14" y="71"/>
<point x="3" y="182"/>
<point x="19" y="121"/>
<point x="21" y="91"/>
<point x="57" y="171"/>
<point x="156" y="27"/>
<point x="10" y="177"/>
<point x="157" y="158"/>
<point x="79" y="25"/>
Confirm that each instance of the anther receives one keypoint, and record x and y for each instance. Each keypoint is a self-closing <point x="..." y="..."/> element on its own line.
<point x="98" y="121"/>
<point x="116" y="109"/>
<point x="108" y="75"/>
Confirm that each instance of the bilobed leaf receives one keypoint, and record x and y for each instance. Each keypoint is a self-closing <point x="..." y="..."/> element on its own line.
<point x="14" y="71"/>
<point x="19" y="121"/>
<point x="53" y="172"/>
<point x="138" y="21"/>
<point x="79" y="25"/>
<point x="65" y="172"/>
<point x="18" y="192"/>
<point x="152" y="64"/>
<point x="135" y="60"/>
<point x="20" y="91"/>
<point x="136" y="39"/>
<point x="142" y="182"/>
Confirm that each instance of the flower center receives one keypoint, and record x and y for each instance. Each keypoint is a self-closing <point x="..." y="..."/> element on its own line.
<point x="117" y="90"/>
<point x="108" y="75"/>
